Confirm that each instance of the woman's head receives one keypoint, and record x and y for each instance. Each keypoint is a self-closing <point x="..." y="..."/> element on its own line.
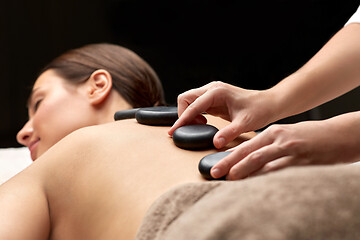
<point x="84" y="87"/>
<point x="132" y="77"/>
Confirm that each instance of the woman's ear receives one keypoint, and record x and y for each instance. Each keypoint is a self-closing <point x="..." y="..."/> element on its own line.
<point x="99" y="86"/>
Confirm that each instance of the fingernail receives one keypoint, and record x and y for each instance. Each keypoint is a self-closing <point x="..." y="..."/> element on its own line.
<point x="221" y="142"/>
<point x="215" y="173"/>
<point x="170" y="132"/>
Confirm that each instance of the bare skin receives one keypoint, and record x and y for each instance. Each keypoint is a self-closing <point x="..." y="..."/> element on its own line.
<point x="333" y="71"/>
<point x="97" y="183"/>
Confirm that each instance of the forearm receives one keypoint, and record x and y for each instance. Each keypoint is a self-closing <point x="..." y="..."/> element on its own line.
<point x="333" y="71"/>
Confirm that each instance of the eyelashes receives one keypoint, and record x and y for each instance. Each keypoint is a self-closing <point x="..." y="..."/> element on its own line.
<point x="36" y="97"/>
<point x="36" y="105"/>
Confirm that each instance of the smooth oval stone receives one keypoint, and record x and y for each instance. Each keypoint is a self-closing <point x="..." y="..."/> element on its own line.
<point x="125" y="114"/>
<point x="195" y="137"/>
<point x="157" y="116"/>
<point x="207" y="162"/>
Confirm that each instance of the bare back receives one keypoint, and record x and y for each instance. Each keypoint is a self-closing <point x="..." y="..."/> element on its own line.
<point x="100" y="181"/>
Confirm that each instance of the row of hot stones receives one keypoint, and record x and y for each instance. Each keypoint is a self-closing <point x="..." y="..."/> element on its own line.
<point x="190" y="137"/>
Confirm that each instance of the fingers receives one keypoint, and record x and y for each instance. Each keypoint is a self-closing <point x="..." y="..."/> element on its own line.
<point x="227" y="134"/>
<point x="239" y="153"/>
<point x="274" y="165"/>
<point x="254" y="162"/>
<point x="184" y="100"/>
<point x="191" y="105"/>
<point x="187" y="98"/>
<point x="249" y="157"/>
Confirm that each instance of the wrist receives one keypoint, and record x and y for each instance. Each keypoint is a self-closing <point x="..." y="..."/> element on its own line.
<point x="345" y="128"/>
<point x="274" y="102"/>
<point x="291" y="96"/>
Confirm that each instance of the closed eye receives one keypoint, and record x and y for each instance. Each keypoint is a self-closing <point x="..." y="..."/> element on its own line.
<point x="36" y="105"/>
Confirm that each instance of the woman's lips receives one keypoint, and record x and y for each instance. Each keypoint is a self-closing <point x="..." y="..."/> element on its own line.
<point x="32" y="147"/>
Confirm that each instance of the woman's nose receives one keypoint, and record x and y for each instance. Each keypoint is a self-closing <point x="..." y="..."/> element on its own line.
<point x="24" y="135"/>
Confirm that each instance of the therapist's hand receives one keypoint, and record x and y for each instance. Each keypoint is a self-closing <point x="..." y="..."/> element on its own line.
<point x="307" y="143"/>
<point x="247" y="110"/>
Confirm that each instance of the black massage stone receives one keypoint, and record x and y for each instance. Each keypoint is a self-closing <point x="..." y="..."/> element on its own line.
<point x="125" y="114"/>
<point x="207" y="162"/>
<point x="157" y="116"/>
<point x="194" y="137"/>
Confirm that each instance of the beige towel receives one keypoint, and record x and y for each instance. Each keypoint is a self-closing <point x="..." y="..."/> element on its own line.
<point x="296" y="203"/>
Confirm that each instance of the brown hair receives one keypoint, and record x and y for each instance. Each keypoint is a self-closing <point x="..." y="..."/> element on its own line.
<point x="132" y="76"/>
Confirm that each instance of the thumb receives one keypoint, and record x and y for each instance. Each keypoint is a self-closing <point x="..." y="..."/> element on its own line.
<point x="227" y="134"/>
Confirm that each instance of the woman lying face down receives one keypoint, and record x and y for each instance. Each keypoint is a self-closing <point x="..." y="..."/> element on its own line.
<point x="92" y="180"/>
<point x="96" y="183"/>
<point x="85" y="87"/>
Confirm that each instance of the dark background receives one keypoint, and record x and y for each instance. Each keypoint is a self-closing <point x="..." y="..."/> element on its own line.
<point x="252" y="44"/>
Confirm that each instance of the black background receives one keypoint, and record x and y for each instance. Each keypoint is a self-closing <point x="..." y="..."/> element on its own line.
<point x="252" y="44"/>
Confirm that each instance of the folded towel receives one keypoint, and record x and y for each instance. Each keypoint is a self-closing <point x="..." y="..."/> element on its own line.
<point x="295" y="203"/>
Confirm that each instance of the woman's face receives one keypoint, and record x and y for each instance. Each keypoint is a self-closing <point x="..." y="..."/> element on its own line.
<point x="56" y="108"/>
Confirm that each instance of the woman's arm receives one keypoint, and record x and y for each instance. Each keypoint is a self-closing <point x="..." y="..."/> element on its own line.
<point x="24" y="212"/>
<point x="331" y="141"/>
<point x="333" y="71"/>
